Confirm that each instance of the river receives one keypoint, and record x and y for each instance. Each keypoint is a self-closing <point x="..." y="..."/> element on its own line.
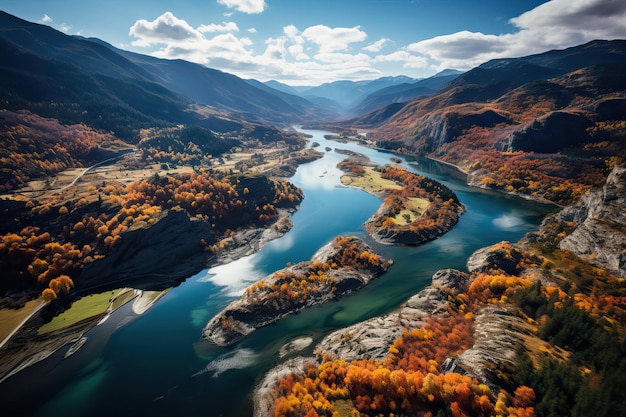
<point x="156" y="363"/>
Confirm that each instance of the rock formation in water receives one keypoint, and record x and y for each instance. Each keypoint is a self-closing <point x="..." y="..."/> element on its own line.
<point x="342" y="266"/>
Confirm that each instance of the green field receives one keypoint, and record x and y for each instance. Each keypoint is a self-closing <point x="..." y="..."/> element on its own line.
<point x="89" y="306"/>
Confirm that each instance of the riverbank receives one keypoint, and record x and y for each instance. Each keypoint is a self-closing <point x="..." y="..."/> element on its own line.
<point x="471" y="178"/>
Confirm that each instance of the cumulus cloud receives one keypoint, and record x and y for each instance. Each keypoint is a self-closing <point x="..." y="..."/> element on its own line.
<point x="164" y="29"/>
<point x="553" y="25"/>
<point x="46" y="19"/>
<point x="179" y="40"/>
<point x="462" y="48"/>
<point x="245" y="6"/>
<point x="297" y="51"/>
<point x="224" y="27"/>
<point x="333" y="39"/>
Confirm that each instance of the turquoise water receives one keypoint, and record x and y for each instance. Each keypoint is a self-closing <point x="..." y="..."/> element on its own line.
<point x="157" y="364"/>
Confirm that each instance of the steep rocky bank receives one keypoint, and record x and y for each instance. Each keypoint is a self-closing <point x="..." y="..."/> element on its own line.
<point x="167" y="251"/>
<point x="600" y="219"/>
<point x="342" y="266"/>
<point x="371" y="339"/>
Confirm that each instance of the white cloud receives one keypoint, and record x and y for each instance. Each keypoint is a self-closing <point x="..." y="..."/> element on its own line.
<point x="376" y="46"/>
<point x="556" y="24"/>
<point x="340" y="59"/>
<point x="293" y="34"/>
<point x="46" y="19"/>
<point x="297" y="51"/>
<point x="166" y="28"/>
<point x="224" y="27"/>
<point x="333" y="39"/>
<point x="407" y="59"/>
<point x="252" y="30"/>
<point x="182" y="41"/>
<point x="466" y="49"/>
<point x="245" y="6"/>
<point x="64" y="27"/>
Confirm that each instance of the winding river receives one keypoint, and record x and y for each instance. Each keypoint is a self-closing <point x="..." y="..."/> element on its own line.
<point x="156" y="364"/>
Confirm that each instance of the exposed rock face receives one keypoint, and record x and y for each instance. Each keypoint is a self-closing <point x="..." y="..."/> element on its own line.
<point x="165" y="252"/>
<point x="600" y="237"/>
<point x="249" y="241"/>
<point x="266" y="304"/>
<point x="372" y="338"/>
<point x="549" y="133"/>
<point x="439" y="128"/>
<point x="497" y="337"/>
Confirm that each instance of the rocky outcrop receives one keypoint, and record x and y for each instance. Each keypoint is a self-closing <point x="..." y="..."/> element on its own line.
<point x="498" y="336"/>
<point x="248" y="241"/>
<point x="493" y="258"/>
<point x="265" y="392"/>
<point x="372" y="338"/>
<point x="600" y="217"/>
<point x="326" y="277"/>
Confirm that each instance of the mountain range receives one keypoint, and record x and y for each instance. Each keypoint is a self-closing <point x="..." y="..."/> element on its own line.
<point x="567" y="101"/>
<point x="104" y="86"/>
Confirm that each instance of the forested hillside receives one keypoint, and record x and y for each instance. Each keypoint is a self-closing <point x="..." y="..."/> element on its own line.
<point x="549" y="126"/>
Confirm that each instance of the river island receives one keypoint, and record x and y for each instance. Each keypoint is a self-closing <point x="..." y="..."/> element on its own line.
<point x="415" y="209"/>
<point x="340" y="267"/>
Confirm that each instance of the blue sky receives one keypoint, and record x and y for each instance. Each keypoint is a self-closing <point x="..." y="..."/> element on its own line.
<point x="302" y="42"/>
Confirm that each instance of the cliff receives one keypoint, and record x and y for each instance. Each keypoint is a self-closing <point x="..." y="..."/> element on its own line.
<point x="600" y="220"/>
<point x="161" y="254"/>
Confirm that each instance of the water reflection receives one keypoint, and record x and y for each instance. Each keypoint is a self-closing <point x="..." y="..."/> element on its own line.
<point x="234" y="277"/>
<point x="238" y="359"/>
<point x="509" y="221"/>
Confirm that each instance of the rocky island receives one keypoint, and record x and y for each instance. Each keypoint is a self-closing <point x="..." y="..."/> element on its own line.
<point x="342" y="266"/>
<point x="415" y="209"/>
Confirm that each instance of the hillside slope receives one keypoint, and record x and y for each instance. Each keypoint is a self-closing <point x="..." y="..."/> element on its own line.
<point x="549" y="126"/>
<point x="92" y="58"/>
